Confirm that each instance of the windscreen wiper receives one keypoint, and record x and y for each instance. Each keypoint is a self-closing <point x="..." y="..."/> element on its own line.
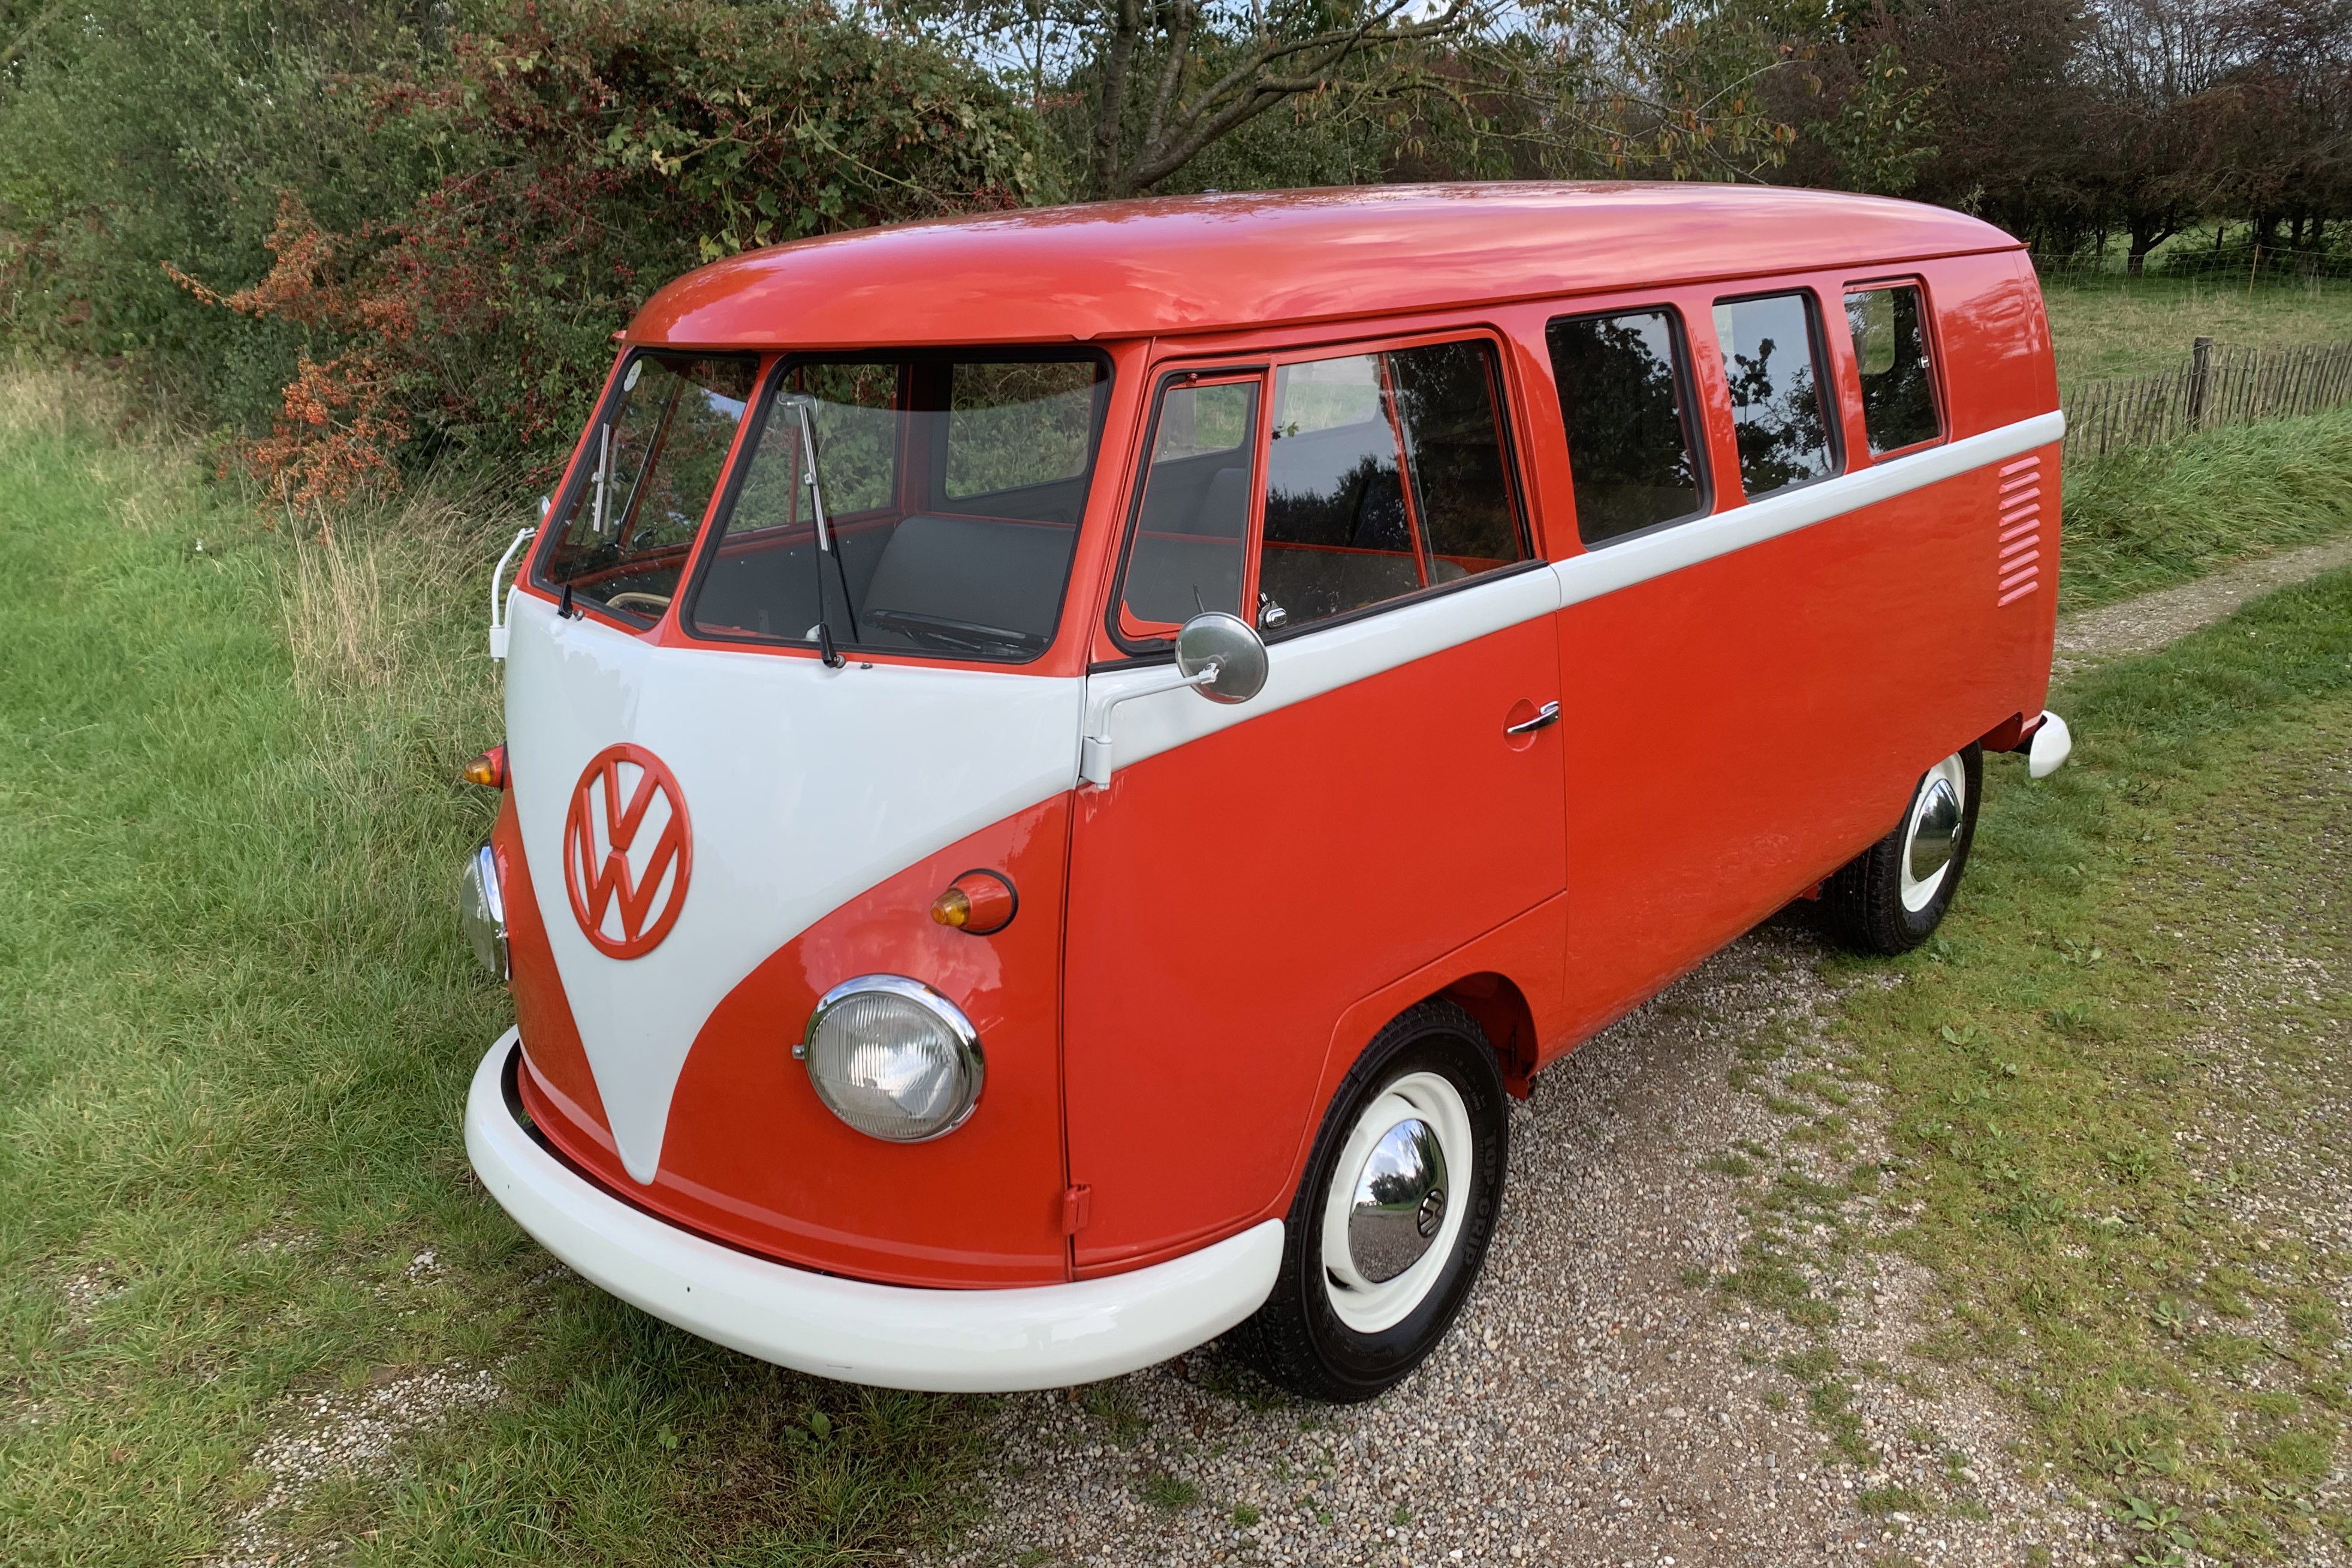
<point x="803" y="406"/>
<point x="965" y="633"/>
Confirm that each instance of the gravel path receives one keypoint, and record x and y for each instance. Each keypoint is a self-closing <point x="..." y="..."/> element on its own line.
<point x="2152" y="620"/>
<point x="1597" y="1403"/>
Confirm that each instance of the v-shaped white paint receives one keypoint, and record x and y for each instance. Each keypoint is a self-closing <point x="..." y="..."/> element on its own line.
<point x="804" y="787"/>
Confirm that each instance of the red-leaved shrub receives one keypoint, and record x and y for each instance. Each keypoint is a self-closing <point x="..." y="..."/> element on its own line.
<point x="595" y="152"/>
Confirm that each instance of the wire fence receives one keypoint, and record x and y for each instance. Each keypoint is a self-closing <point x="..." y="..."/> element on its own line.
<point x="2215" y="386"/>
<point x="2250" y="266"/>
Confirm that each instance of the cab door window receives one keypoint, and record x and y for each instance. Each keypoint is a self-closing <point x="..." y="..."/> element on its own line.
<point x="1779" y="412"/>
<point x="1338" y="532"/>
<point x="1386" y="473"/>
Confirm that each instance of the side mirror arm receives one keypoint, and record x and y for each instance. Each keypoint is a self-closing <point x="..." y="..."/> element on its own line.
<point x="1095" y="763"/>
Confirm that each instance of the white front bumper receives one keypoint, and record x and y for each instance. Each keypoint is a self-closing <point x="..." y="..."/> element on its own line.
<point x="895" y="1336"/>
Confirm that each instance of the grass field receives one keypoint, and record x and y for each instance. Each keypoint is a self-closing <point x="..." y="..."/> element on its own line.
<point x="2111" y="1083"/>
<point x="233" y="1204"/>
<point x="2118" y="327"/>
<point x="2149" y="518"/>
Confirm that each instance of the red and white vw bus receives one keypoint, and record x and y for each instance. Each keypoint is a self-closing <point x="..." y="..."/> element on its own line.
<point x="1060" y="766"/>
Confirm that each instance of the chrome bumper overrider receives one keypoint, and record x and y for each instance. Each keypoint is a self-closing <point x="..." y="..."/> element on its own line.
<point x="1040" y="1336"/>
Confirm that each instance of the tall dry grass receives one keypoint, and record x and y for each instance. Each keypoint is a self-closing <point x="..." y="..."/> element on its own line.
<point x="371" y="595"/>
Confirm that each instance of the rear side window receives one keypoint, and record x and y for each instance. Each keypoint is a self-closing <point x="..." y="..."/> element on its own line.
<point x="913" y="504"/>
<point x="1623" y="399"/>
<point x="1890" y="349"/>
<point x="653" y="457"/>
<point x="1771" y="359"/>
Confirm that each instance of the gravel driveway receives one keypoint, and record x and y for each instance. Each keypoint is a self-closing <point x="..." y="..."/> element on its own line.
<point x="1600" y="1401"/>
<point x="1596" y="1404"/>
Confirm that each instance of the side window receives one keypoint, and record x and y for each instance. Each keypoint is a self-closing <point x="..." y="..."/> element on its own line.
<point x="653" y="457"/>
<point x="1386" y="473"/>
<point x="1890" y="347"/>
<point x="1338" y="536"/>
<point x="1621" y="399"/>
<point x="1193" y="521"/>
<point x="1777" y="389"/>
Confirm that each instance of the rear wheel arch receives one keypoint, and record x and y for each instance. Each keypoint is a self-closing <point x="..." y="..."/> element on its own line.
<point x="1502" y="1010"/>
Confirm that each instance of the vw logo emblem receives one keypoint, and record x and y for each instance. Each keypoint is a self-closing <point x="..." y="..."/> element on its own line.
<point x="627" y="850"/>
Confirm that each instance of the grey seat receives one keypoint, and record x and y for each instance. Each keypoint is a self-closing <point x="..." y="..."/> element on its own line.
<point x="973" y="572"/>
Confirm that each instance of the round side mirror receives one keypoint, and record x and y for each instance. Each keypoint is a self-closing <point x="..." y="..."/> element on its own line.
<point x="1213" y="637"/>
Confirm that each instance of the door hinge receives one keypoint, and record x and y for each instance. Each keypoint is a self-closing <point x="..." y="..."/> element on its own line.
<point x="1077" y="1208"/>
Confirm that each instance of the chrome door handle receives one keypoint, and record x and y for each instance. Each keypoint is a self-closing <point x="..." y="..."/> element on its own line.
<point x="1548" y="715"/>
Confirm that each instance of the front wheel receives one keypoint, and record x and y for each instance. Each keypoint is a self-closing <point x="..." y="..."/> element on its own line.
<point x="1890" y="898"/>
<point x="1391" y="1222"/>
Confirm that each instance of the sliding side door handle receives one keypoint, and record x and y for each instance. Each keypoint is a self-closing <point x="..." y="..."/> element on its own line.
<point x="1545" y="715"/>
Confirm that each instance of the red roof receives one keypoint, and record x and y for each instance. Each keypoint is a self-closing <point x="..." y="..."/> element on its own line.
<point x="1186" y="264"/>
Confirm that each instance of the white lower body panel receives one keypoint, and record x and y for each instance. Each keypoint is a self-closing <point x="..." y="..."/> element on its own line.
<point x="893" y="1336"/>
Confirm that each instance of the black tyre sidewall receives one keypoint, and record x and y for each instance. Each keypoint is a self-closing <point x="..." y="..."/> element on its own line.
<point x="1301" y="1342"/>
<point x="1863" y="901"/>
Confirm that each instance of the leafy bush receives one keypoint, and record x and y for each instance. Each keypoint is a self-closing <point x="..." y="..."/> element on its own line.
<point x="530" y="182"/>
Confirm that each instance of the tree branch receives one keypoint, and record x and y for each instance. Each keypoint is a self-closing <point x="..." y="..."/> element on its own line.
<point x="1179" y="46"/>
<point x="1127" y="25"/>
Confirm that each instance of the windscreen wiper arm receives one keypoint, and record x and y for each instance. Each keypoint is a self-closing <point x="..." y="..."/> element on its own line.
<point x="803" y="406"/>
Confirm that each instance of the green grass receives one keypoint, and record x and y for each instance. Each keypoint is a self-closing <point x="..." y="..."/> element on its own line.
<point x="2148" y="518"/>
<point x="2117" y="327"/>
<point x="239" y="1025"/>
<point x="2111" y="1082"/>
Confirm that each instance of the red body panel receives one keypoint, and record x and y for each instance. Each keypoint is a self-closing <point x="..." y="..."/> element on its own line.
<point x="552" y="1049"/>
<point x="1240" y="891"/>
<point x="755" y="1157"/>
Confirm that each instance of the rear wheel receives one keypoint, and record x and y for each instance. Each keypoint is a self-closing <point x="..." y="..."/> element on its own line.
<point x="1391" y="1222"/>
<point x="1892" y="896"/>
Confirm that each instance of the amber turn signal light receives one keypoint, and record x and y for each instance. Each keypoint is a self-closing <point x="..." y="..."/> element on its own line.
<point x="978" y="903"/>
<point x="488" y="770"/>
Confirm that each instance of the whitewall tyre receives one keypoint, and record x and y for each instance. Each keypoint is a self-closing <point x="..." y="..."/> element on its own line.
<point x="1391" y="1222"/>
<point x="1891" y="897"/>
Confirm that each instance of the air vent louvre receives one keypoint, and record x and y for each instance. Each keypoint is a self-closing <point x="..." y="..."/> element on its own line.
<point x="2017" y="565"/>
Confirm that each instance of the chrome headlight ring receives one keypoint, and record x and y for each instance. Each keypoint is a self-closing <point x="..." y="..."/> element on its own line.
<point x="893" y="1058"/>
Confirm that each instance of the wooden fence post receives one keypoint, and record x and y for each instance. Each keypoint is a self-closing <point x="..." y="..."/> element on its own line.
<point x="2201" y="370"/>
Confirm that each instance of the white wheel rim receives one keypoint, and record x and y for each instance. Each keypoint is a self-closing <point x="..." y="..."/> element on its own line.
<point x="1948" y="781"/>
<point x="1364" y="1305"/>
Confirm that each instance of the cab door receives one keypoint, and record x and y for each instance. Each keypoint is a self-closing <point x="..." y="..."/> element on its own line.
<point x="1391" y="793"/>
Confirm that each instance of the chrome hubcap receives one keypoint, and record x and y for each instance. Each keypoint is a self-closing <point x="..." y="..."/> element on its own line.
<point x="1390" y="1222"/>
<point x="1933" y="833"/>
<point x="1400" y="1201"/>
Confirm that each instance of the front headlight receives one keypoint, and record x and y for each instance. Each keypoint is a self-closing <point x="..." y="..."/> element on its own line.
<point x="893" y="1058"/>
<point x="482" y="910"/>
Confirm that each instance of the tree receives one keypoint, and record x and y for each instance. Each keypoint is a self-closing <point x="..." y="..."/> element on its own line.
<point x="2150" y="66"/>
<point x="1141" y="88"/>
